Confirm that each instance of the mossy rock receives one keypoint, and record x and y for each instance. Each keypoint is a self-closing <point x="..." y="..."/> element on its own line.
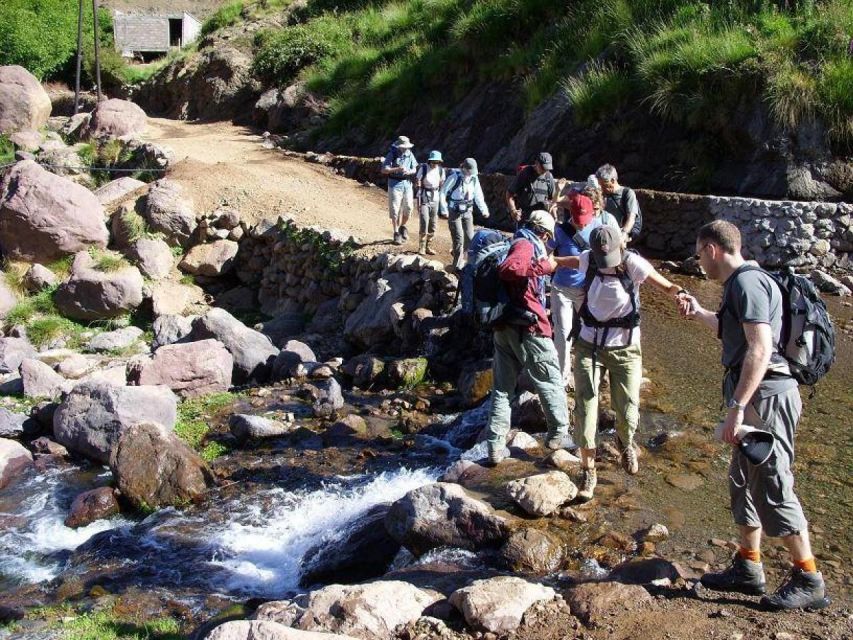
<point x="407" y="372"/>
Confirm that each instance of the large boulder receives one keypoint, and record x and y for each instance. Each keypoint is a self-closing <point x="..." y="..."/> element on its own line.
<point x="13" y="351"/>
<point x="214" y="259"/>
<point x="14" y="460"/>
<point x="92" y="505"/>
<point x="44" y="217"/>
<point x="115" y="118"/>
<point x="24" y="104"/>
<point x="12" y="424"/>
<point x="93" y="415"/>
<point x="174" y="298"/>
<point x="498" y="604"/>
<point x="366" y="551"/>
<point x="41" y="381"/>
<point x="542" y="494"/>
<point x="170" y="329"/>
<point x="281" y="328"/>
<point x="171" y="212"/>
<point x="368" y="611"/>
<point x="292" y="353"/>
<point x="190" y="369"/>
<point x="117" y="189"/>
<point x="267" y="630"/>
<point x="39" y="278"/>
<point x="153" y="257"/>
<point x="529" y="549"/>
<point x="378" y="317"/>
<point x="154" y="468"/>
<point x="93" y="294"/>
<point x="443" y="514"/>
<point x="253" y="352"/>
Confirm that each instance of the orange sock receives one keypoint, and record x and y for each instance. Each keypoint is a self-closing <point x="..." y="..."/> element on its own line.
<point x="806" y="565"/>
<point x="753" y="555"/>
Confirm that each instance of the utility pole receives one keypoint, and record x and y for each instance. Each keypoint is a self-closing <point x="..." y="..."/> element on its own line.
<point x="97" y="48"/>
<point x="79" y="56"/>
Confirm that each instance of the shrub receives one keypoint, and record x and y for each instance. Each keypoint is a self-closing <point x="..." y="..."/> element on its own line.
<point x="284" y="53"/>
<point x="599" y="91"/>
<point x="792" y="96"/>
<point x="835" y="90"/>
<point x="225" y="16"/>
<point x="107" y="261"/>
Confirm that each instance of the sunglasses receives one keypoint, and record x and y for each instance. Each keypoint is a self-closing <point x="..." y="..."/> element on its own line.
<point x="699" y="253"/>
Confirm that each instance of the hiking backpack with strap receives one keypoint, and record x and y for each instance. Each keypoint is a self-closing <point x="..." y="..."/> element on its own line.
<point x="622" y="204"/>
<point x="807" y="340"/>
<point x="629" y="321"/>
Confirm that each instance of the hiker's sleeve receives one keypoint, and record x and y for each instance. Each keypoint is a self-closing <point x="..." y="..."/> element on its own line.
<point x="520" y="264"/>
<point x="633" y="204"/>
<point x="480" y="200"/>
<point x="639" y="268"/>
<point x="386" y="162"/>
<point x="751" y="297"/>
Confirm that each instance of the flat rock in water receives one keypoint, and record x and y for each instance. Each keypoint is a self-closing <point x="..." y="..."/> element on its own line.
<point x="90" y="506"/>
<point x="542" y="494"/>
<point x="247" y="427"/>
<point x="498" y="604"/>
<point x="685" y="481"/>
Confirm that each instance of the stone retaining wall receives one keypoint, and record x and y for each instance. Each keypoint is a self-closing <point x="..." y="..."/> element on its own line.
<point x="776" y="232"/>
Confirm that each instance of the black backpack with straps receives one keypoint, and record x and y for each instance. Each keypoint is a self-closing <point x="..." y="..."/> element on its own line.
<point x="622" y="204"/>
<point x="629" y="321"/>
<point x="807" y="340"/>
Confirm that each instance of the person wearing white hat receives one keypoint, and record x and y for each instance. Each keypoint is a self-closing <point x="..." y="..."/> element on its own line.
<point x="400" y="166"/>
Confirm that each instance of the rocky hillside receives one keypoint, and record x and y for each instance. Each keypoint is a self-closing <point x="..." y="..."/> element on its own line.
<point x="742" y="99"/>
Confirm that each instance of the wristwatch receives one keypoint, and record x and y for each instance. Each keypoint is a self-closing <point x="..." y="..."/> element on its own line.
<point x="734" y="403"/>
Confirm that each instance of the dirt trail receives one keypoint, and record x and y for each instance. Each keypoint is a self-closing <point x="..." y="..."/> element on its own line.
<point x="219" y="163"/>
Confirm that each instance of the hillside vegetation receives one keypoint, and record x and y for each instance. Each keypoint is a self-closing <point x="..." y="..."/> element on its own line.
<point x="686" y="62"/>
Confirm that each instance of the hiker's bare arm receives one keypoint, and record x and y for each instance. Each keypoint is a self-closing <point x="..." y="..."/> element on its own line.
<point x="572" y="262"/>
<point x="629" y="223"/>
<point x="759" y="347"/>
<point x="690" y="308"/>
<point x="510" y="205"/>
<point x="663" y="284"/>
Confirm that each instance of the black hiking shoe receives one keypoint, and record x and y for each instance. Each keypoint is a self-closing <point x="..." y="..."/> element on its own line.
<point x="398" y="239"/>
<point x="404" y="233"/>
<point x="742" y="576"/>
<point x="801" y="590"/>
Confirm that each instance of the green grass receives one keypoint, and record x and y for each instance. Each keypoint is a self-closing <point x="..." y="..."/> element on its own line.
<point x="13" y="274"/>
<point x="107" y="261"/>
<point x="194" y="417"/>
<point x="43" y="322"/>
<point x="62" y="266"/>
<point x="597" y="92"/>
<point x="223" y="17"/>
<point x="7" y="150"/>
<point x="105" y="625"/>
<point x="26" y="309"/>
<point x="133" y="225"/>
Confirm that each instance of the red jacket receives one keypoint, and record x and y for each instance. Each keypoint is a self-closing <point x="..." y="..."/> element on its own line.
<point x="520" y="272"/>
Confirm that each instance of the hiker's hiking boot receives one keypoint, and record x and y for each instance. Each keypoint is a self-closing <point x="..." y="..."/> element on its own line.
<point x="801" y="590"/>
<point x="404" y="233"/>
<point x="588" y="481"/>
<point x="554" y="442"/>
<point x="397" y="238"/>
<point x="422" y="247"/>
<point x="742" y="576"/>
<point x="495" y="455"/>
<point x="429" y="250"/>
<point x="629" y="459"/>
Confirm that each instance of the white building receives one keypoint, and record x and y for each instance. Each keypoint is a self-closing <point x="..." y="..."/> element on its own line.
<point x="150" y="35"/>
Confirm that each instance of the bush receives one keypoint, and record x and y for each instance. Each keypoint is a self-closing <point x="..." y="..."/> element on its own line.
<point x="835" y="90"/>
<point x="284" y="53"/>
<point x="599" y="91"/>
<point x="225" y="16"/>
<point x="7" y="150"/>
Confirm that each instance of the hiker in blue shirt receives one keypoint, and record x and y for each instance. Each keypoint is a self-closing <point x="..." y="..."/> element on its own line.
<point x="462" y="192"/>
<point x="400" y="166"/>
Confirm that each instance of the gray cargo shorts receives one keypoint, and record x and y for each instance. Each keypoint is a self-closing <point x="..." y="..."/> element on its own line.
<point x="763" y="496"/>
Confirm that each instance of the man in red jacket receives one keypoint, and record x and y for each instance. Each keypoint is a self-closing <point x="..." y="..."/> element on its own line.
<point x="524" y="341"/>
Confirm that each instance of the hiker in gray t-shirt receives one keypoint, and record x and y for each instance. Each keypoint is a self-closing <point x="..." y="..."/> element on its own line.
<point x="759" y="392"/>
<point x="621" y="202"/>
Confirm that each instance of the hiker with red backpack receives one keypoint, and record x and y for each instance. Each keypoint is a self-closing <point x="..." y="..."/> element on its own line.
<point x="609" y="341"/>
<point x="621" y="202"/>
<point x="533" y="189"/>
<point x="775" y="332"/>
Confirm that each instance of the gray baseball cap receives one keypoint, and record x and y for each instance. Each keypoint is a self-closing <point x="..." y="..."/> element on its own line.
<point x="606" y="244"/>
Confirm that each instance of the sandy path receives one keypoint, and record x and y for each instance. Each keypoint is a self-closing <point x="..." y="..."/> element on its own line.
<point x="223" y="164"/>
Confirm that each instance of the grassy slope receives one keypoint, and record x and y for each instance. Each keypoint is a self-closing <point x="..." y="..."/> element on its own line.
<point x="687" y="62"/>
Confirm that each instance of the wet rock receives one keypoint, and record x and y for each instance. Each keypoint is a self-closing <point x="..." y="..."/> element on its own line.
<point x="618" y="541"/>
<point x="248" y="427"/>
<point x="89" y="506"/>
<point x="281" y="328"/>
<point x="41" y="381"/>
<point x="14" y="460"/>
<point x="368" y="611"/>
<point x="266" y="630"/>
<point x="13" y="351"/>
<point x="442" y="514"/>
<point x="11" y="424"/>
<point x="543" y="494"/>
<point x="117" y="189"/>
<point x="47" y="447"/>
<point x="655" y="533"/>
<point x="407" y="373"/>
<point x="652" y="571"/>
<point x="365" y="370"/>
<point x="115" y="340"/>
<point x="213" y="260"/>
<point x="475" y="383"/>
<point x="292" y="353"/>
<point x="344" y="430"/>
<point x="153" y="468"/>
<point x="533" y="551"/>
<point x="171" y="212"/>
<point x="326" y="396"/>
<point x="38" y="278"/>
<point x="498" y="604"/>
<point x="253" y="352"/>
<point x="44" y="217"/>
<point x="92" y="294"/>
<point x="366" y="551"/>
<point x="91" y="418"/>
<point x="170" y="329"/>
<point x="152" y="256"/>
<point x="115" y="118"/>
<point x="563" y="460"/>
<point x="190" y="369"/>
<point x="593" y="602"/>
<point x="463" y="472"/>
<point x="24" y="104"/>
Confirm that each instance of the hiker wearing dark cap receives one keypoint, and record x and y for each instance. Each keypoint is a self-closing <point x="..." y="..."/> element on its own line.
<point x="571" y="237"/>
<point x="609" y="341"/>
<point x="759" y="391"/>
<point x="462" y="192"/>
<point x="400" y="166"/>
<point x="524" y="342"/>
<point x="428" y="183"/>
<point x="533" y="189"/>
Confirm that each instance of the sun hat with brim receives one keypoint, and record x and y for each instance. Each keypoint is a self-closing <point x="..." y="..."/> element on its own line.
<point x="581" y="208"/>
<point x="435" y="156"/>
<point x="543" y="220"/>
<point x="403" y="142"/>
<point x="757" y="446"/>
<point x="606" y="245"/>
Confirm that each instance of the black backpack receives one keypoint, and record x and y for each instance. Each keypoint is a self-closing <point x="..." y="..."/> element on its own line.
<point x="622" y="203"/>
<point x="631" y="320"/>
<point x="807" y="340"/>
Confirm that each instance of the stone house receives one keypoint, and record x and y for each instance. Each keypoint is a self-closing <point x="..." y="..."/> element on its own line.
<point x="149" y="35"/>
